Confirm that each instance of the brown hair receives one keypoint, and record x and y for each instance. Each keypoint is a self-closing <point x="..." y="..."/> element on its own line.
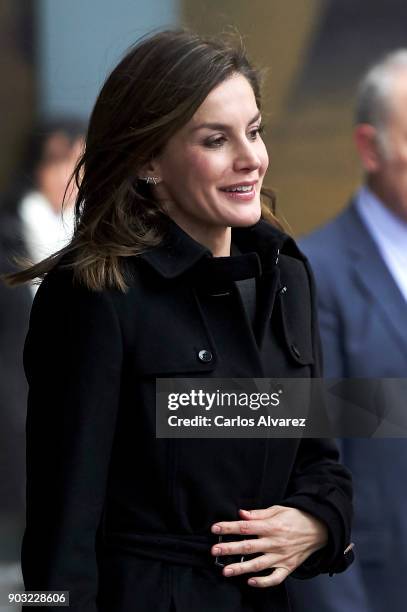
<point x="152" y="93"/>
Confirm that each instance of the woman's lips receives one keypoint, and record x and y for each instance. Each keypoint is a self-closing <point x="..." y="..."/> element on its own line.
<point x="241" y="196"/>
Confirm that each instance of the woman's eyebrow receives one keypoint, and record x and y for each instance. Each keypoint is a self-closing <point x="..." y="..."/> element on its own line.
<point x="222" y="126"/>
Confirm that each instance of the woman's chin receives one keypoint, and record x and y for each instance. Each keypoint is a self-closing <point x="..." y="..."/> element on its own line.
<point x="251" y="217"/>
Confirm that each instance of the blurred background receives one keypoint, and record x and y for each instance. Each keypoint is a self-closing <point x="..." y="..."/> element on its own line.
<point x="54" y="56"/>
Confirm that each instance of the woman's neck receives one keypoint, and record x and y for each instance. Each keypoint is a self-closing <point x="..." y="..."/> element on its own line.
<point x="216" y="239"/>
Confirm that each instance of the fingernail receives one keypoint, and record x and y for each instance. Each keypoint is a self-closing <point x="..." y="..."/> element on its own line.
<point x="252" y="581"/>
<point x="247" y="511"/>
<point x="216" y="529"/>
<point x="216" y="551"/>
<point x="228" y="572"/>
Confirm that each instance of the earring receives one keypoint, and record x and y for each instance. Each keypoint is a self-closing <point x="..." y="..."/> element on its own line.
<point x="150" y="179"/>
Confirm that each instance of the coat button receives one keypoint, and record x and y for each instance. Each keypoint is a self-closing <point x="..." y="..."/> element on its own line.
<point x="205" y="356"/>
<point x="295" y="350"/>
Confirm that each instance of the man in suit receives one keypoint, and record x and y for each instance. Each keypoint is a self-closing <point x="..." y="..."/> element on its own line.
<point x="360" y="263"/>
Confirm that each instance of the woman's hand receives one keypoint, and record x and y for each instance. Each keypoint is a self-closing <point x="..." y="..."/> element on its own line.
<point x="285" y="538"/>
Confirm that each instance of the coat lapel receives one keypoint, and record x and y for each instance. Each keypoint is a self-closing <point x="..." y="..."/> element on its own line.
<point x="374" y="276"/>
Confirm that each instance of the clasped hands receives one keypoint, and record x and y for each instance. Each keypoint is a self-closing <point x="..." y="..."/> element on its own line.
<point x="285" y="538"/>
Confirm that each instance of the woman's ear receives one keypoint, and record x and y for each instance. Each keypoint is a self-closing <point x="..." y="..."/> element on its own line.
<point x="368" y="147"/>
<point x="150" y="173"/>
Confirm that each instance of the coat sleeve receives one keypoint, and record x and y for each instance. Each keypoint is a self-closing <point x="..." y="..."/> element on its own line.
<point x="321" y="485"/>
<point x="72" y="359"/>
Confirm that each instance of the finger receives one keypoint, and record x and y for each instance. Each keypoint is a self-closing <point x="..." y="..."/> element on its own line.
<point x="242" y="527"/>
<point x="276" y="577"/>
<point x="262" y="513"/>
<point x="242" y="547"/>
<point x="252" y="566"/>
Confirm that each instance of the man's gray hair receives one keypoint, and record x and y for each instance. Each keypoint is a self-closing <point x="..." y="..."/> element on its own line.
<point x="374" y="93"/>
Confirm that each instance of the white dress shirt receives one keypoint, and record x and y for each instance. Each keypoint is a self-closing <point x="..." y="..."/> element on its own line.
<point x="44" y="230"/>
<point x="388" y="231"/>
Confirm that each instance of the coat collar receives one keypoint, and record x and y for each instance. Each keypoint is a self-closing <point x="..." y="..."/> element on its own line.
<point x="259" y="244"/>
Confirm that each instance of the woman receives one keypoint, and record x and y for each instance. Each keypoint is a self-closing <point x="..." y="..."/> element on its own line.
<point x="147" y="288"/>
<point x="32" y="205"/>
<point x="30" y="224"/>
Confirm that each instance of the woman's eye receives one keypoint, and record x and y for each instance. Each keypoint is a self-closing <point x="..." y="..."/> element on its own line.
<point x="257" y="131"/>
<point x="213" y="143"/>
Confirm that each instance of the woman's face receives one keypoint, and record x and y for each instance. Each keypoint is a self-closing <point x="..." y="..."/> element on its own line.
<point x="54" y="172"/>
<point x="212" y="169"/>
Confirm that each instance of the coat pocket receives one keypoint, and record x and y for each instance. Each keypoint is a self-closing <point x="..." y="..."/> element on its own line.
<point x="175" y="343"/>
<point x="193" y="358"/>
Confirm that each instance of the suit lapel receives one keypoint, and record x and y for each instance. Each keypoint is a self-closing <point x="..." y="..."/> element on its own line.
<point x="374" y="276"/>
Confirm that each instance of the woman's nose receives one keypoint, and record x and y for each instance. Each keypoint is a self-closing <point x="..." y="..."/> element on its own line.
<point x="246" y="157"/>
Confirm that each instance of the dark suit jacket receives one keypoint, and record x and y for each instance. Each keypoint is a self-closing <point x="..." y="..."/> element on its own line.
<point x="120" y="518"/>
<point x="363" y="322"/>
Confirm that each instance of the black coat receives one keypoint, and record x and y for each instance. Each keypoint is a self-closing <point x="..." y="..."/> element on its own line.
<point x="122" y="519"/>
